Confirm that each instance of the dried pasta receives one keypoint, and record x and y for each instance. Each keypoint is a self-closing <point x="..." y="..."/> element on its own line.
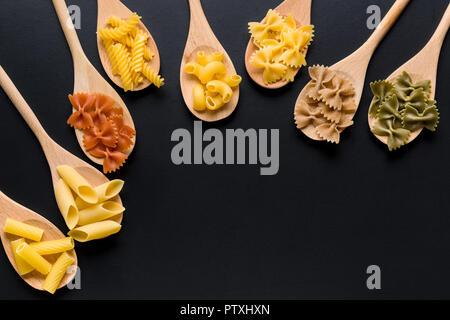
<point x="78" y="184"/>
<point x="281" y="46"/>
<point x="401" y="108"/>
<point x="329" y="105"/>
<point x="95" y="231"/>
<point x="66" y="204"/>
<point x="23" y="230"/>
<point x="127" y="47"/>
<point x="105" y="135"/>
<point x="33" y="258"/>
<point x="57" y="272"/>
<point x="215" y="87"/>
<point x="53" y="246"/>
<point x="100" y="212"/>
<point x="23" y="267"/>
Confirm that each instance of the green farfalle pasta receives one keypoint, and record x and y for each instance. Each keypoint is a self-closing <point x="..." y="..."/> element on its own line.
<point x="405" y="86"/>
<point x="396" y="135"/>
<point x="413" y="120"/>
<point x="402" y="108"/>
<point x="380" y="89"/>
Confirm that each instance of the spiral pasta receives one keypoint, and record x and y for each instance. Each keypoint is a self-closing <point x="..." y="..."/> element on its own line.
<point x="152" y="76"/>
<point x="127" y="48"/>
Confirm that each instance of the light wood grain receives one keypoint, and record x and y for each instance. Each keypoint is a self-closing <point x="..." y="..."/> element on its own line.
<point x="55" y="154"/>
<point x="13" y="210"/>
<point x="202" y="38"/>
<point x="301" y="12"/>
<point x="107" y="8"/>
<point x="354" y="67"/>
<point x="423" y="66"/>
<point x="87" y="78"/>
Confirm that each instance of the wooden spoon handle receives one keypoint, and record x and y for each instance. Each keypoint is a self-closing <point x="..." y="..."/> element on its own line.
<point x="439" y="35"/>
<point x="384" y="26"/>
<point x="199" y="24"/>
<point x="69" y="31"/>
<point x="24" y="109"/>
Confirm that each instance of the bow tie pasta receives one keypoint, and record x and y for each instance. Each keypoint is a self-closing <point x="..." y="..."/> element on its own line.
<point x="281" y="46"/>
<point x="401" y="108"/>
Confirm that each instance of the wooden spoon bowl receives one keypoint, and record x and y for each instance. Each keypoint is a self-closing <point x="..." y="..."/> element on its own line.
<point x="87" y="78"/>
<point x="301" y="12"/>
<point x="354" y="67"/>
<point x="423" y="66"/>
<point x="202" y="38"/>
<point x="55" y="154"/>
<point x="13" y="210"/>
<point x="107" y="8"/>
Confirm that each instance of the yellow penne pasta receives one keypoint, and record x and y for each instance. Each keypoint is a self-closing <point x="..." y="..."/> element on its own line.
<point x="23" y="230"/>
<point x="66" y="204"/>
<point x="199" y="97"/>
<point x="220" y="87"/>
<point x="22" y="266"/>
<point x="33" y="258"/>
<point x="78" y="184"/>
<point x="94" y="231"/>
<point x="53" y="246"/>
<point x="104" y="192"/>
<point x="57" y="273"/>
<point x="100" y="212"/>
<point x="109" y="189"/>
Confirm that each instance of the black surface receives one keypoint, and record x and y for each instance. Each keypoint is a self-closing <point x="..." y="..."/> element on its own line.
<point x="213" y="232"/>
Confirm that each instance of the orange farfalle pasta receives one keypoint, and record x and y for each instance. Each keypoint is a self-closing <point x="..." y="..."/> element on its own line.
<point x="105" y="135"/>
<point x="83" y="103"/>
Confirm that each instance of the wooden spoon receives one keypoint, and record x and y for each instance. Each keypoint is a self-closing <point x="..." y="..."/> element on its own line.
<point x="354" y="67"/>
<point x="13" y="210"/>
<point x="301" y="12"/>
<point x="107" y="8"/>
<point x="55" y="154"/>
<point x="202" y="38"/>
<point x="87" y="79"/>
<point x="422" y="66"/>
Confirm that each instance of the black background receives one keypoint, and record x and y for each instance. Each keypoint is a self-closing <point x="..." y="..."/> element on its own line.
<point x="225" y="232"/>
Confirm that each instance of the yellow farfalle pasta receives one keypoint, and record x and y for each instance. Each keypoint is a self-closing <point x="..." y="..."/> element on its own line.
<point x="53" y="246"/>
<point x="127" y="48"/>
<point x="281" y="46"/>
<point x="22" y="266"/>
<point x="66" y="204"/>
<point x="57" y="273"/>
<point x="23" y="230"/>
<point x="33" y="258"/>
<point x="95" y="231"/>
<point x="216" y="85"/>
<point x="78" y="184"/>
<point x="100" y="212"/>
